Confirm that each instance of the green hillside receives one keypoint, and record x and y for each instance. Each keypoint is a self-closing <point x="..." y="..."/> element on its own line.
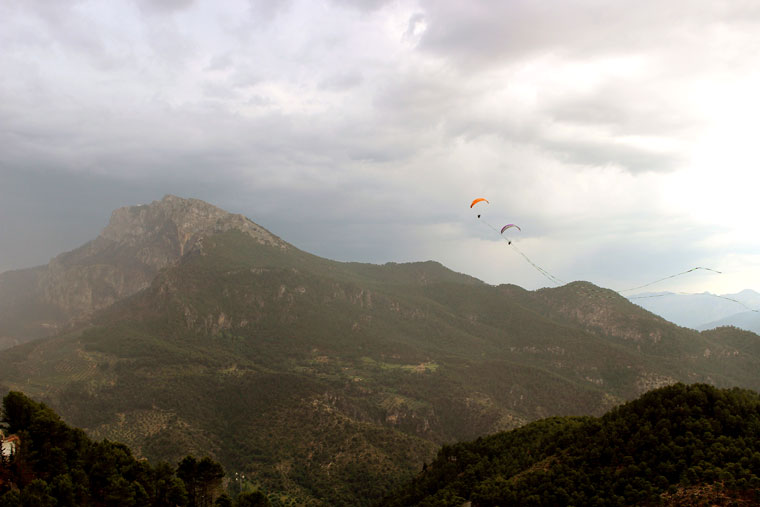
<point x="55" y="465"/>
<point x="330" y="383"/>
<point x="679" y="445"/>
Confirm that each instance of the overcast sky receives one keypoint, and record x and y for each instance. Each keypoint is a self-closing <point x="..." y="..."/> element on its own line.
<point x="621" y="136"/>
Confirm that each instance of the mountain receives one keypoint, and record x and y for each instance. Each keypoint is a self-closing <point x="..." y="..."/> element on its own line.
<point x="329" y="383"/>
<point x="749" y="321"/>
<point x="699" y="311"/>
<point x="138" y="242"/>
<point x="679" y="445"/>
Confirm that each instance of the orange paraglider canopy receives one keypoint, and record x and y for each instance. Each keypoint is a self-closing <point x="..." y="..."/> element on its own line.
<point x="477" y="201"/>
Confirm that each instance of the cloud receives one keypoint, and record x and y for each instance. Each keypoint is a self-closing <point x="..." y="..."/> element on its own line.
<point x="592" y="83"/>
<point x="490" y="34"/>
<point x="265" y="11"/>
<point x="362" y="130"/>
<point x="416" y="27"/>
<point x="363" y="5"/>
<point x="342" y="81"/>
<point x="164" y="6"/>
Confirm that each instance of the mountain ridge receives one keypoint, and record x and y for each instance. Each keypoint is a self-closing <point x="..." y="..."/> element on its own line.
<point x="330" y="382"/>
<point x="699" y="311"/>
<point x="136" y="244"/>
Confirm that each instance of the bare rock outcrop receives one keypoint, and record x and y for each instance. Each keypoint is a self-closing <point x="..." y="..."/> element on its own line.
<point x="136" y="244"/>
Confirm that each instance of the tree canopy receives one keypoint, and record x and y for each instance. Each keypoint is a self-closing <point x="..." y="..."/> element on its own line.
<point x="679" y="438"/>
<point x="57" y="465"/>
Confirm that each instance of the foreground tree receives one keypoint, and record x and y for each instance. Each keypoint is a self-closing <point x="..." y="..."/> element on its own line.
<point x="203" y="480"/>
<point x="57" y="465"/>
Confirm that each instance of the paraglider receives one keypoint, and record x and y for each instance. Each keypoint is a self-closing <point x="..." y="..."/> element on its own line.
<point x="558" y="281"/>
<point x="479" y="199"/>
<point x="509" y="242"/>
<point x="538" y="268"/>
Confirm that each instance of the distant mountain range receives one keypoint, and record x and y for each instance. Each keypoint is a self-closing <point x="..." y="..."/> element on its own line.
<point x="705" y="310"/>
<point x="183" y="329"/>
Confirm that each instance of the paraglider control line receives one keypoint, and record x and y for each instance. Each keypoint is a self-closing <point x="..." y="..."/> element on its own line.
<point x="697" y="294"/>
<point x="558" y="281"/>
<point x="549" y="276"/>
<point x="669" y="277"/>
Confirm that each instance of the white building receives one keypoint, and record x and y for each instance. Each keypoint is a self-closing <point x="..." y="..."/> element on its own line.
<point x="10" y="444"/>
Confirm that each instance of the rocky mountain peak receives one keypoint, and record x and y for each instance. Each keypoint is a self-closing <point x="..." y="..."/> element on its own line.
<point x="184" y="220"/>
<point x="136" y="244"/>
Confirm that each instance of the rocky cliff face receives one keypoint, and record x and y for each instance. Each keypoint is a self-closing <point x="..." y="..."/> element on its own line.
<point x="136" y="244"/>
<point x="181" y="222"/>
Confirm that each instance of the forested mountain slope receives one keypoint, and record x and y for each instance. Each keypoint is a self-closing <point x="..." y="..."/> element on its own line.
<point x="679" y="445"/>
<point x="331" y="382"/>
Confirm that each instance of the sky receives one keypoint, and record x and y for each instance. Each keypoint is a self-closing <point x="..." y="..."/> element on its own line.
<point x="620" y="136"/>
